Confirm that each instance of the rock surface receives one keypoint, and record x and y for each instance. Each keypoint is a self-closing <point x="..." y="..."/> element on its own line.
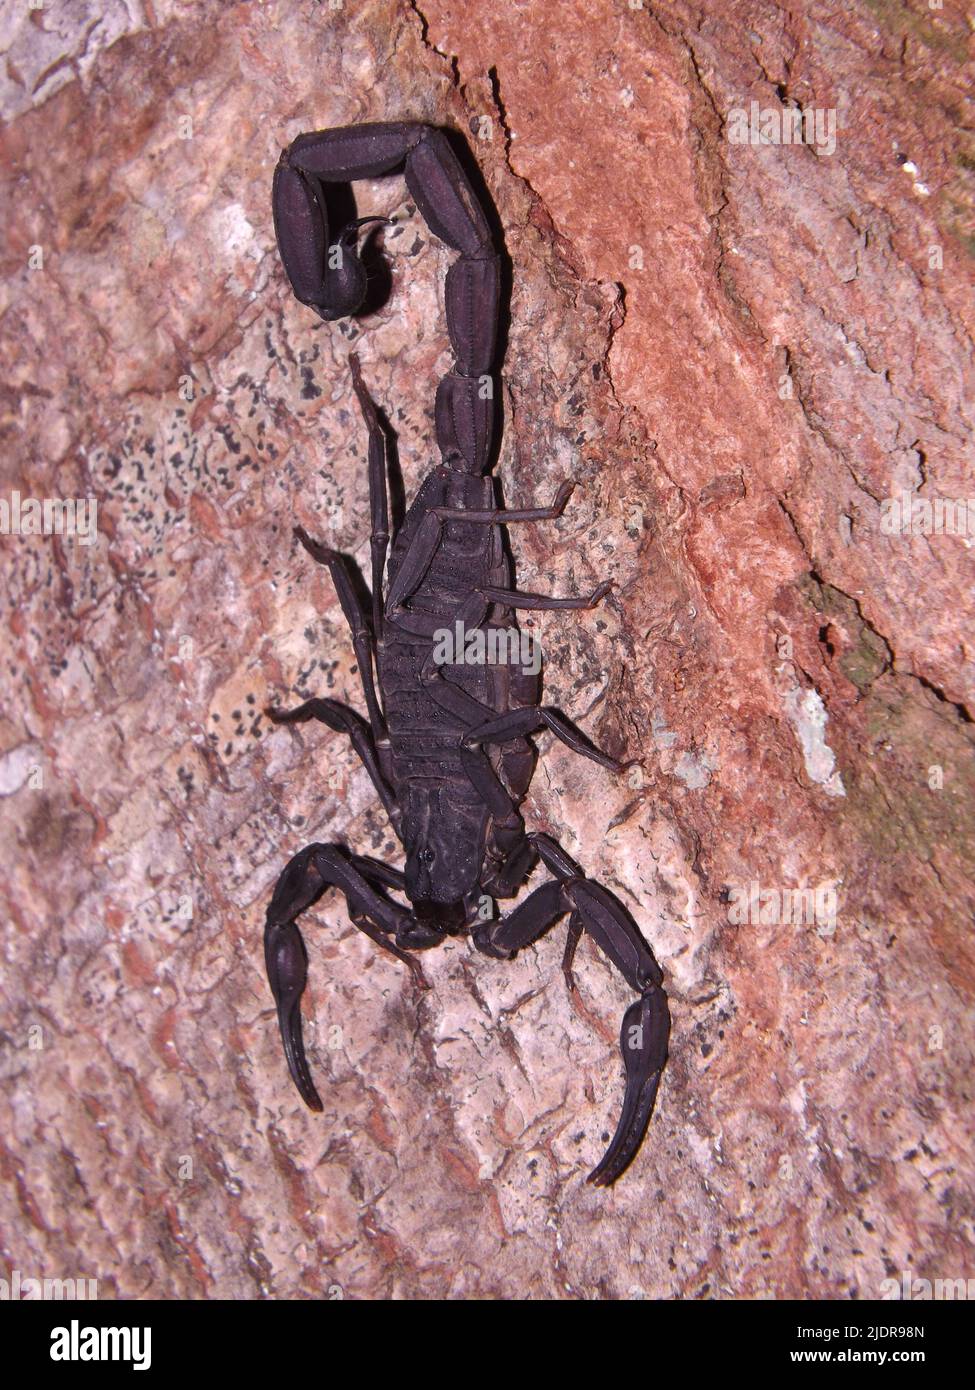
<point x="740" y="350"/>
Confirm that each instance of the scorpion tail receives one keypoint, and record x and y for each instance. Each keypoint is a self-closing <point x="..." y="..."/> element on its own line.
<point x="287" y="971"/>
<point x="327" y="276"/>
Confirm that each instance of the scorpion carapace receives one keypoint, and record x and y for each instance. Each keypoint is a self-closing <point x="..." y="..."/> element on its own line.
<point x="446" y="743"/>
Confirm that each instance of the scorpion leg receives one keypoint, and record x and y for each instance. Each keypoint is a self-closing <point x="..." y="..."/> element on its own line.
<point x="362" y="638"/>
<point x="423" y="547"/>
<point x="378" y="494"/>
<point x="572" y="940"/>
<point x="302" y="882"/>
<point x="512" y="598"/>
<point x="518" y="723"/>
<point x="504" y="516"/>
<point x="646" y="1023"/>
<point x="344" y="720"/>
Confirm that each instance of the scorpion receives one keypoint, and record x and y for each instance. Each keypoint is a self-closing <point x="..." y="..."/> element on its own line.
<point x="447" y="745"/>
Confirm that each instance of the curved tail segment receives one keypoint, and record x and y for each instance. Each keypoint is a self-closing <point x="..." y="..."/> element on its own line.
<point x="328" y="275"/>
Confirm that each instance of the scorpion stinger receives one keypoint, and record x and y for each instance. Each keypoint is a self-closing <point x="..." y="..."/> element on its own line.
<point x="446" y="743"/>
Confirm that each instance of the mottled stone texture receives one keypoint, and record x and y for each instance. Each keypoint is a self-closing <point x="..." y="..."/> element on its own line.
<point x="739" y="351"/>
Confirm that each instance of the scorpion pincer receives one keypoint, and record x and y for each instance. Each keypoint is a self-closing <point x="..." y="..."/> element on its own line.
<point x="446" y="745"/>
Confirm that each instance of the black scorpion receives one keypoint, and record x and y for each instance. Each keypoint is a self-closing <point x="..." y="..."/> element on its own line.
<point x="446" y="746"/>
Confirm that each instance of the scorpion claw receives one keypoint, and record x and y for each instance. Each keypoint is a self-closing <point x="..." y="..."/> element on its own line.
<point x="287" y="970"/>
<point x="481" y="936"/>
<point x="643" y="1042"/>
<point x="600" y="592"/>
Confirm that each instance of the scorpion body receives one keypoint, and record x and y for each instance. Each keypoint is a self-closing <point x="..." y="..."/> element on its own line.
<point x="445" y="744"/>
